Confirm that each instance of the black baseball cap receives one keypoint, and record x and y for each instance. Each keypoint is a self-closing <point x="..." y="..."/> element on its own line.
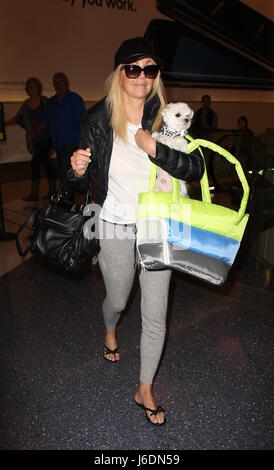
<point x="135" y="49"/>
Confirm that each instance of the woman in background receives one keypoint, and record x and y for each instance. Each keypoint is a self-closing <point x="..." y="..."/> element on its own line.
<point x="38" y="138"/>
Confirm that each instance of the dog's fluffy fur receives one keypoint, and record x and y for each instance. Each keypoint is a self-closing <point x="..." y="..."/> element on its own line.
<point x="176" y="120"/>
<point x="176" y="117"/>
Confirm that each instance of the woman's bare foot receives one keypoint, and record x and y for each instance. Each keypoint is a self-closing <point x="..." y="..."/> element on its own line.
<point x="144" y="397"/>
<point x="111" y="350"/>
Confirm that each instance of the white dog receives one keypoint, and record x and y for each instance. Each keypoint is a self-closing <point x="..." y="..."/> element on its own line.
<point x="176" y="121"/>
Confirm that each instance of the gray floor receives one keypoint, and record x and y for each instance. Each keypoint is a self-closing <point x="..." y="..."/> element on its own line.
<point x="216" y="379"/>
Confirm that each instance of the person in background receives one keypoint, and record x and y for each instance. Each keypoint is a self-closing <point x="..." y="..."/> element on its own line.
<point x="38" y="137"/>
<point x="117" y="134"/>
<point x="63" y="115"/>
<point x="204" y="118"/>
<point x="242" y="143"/>
<point x="242" y="125"/>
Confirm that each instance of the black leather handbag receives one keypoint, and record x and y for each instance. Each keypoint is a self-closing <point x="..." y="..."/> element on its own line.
<point x="61" y="235"/>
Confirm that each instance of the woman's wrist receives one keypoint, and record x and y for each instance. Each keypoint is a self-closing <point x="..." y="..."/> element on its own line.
<point x="77" y="175"/>
<point x="145" y="141"/>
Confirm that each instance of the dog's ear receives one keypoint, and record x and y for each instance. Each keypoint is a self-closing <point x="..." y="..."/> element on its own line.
<point x="164" y="111"/>
<point x="189" y="111"/>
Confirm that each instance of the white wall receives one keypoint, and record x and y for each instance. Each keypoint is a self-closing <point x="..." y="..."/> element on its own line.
<point x="40" y="37"/>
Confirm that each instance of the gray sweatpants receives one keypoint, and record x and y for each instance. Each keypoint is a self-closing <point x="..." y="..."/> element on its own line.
<point x="117" y="263"/>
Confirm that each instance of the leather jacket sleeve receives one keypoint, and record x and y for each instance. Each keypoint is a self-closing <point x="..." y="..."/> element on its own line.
<point x="188" y="167"/>
<point x="89" y="134"/>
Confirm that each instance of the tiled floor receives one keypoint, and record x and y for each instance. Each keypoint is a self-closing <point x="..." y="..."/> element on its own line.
<point x="216" y="377"/>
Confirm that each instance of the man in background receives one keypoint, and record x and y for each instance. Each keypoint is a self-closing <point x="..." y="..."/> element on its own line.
<point x="205" y="118"/>
<point x="64" y="114"/>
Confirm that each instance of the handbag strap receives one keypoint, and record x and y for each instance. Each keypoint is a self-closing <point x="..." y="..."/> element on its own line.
<point x="193" y="145"/>
<point x="61" y="189"/>
<point x="28" y="245"/>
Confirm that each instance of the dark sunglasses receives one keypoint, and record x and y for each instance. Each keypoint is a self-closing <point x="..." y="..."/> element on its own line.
<point x="133" y="70"/>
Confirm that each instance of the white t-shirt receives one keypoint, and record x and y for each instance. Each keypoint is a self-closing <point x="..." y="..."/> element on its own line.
<point x="129" y="173"/>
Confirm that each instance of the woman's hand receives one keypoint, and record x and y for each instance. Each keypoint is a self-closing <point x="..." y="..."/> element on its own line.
<point x="80" y="161"/>
<point x="145" y="141"/>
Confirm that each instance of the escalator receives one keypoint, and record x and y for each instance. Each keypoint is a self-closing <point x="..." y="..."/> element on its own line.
<point x="230" y="22"/>
<point x="213" y="43"/>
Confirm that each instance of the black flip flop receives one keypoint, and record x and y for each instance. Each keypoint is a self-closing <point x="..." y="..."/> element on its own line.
<point x="159" y="409"/>
<point x="108" y="351"/>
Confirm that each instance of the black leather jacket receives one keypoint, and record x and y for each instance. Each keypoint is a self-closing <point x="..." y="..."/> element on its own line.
<point x="97" y="135"/>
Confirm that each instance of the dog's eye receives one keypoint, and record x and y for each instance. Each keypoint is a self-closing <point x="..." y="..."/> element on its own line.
<point x="178" y="115"/>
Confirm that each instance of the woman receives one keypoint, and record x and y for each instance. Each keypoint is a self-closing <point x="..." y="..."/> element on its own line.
<point x="117" y="136"/>
<point x="38" y="139"/>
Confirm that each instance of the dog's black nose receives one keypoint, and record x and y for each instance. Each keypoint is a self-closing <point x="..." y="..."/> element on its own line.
<point x="178" y="115"/>
<point x="186" y="120"/>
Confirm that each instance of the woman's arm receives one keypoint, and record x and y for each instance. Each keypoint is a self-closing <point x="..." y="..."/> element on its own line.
<point x="146" y="142"/>
<point x="21" y="117"/>
<point x="188" y="167"/>
<point x="181" y="165"/>
<point x="84" y="165"/>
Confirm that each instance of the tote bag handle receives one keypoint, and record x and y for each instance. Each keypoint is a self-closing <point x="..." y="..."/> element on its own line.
<point x="238" y="167"/>
<point x="193" y="145"/>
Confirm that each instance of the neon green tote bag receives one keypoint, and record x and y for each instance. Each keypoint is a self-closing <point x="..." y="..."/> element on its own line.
<point x="195" y="237"/>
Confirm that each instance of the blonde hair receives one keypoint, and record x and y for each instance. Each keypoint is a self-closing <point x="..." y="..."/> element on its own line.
<point x="116" y="107"/>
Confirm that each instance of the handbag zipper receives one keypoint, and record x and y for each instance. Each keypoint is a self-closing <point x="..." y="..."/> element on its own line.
<point x="64" y="228"/>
